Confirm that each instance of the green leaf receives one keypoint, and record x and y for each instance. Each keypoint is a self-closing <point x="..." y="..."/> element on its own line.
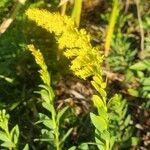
<point x="133" y="92"/>
<point x="140" y="74"/>
<point x="8" y="144"/>
<point x="15" y="134"/>
<point x="60" y="113"/>
<point x="3" y="136"/>
<point x="134" y="141"/>
<point x="145" y="81"/>
<point x="98" y="79"/>
<point x="99" y="123"/>
<point x="99" y="89"/>
<point x="26" y="147"/>
<point x="128" y="76"/>
<point x="105" y="135"/>
<point x="100" y="143"/>
<point x="48" y="107"/>
<point x="127" y="120"/>
<point x="72" y="148"/>
<point x="112" y="141"/>
<point x="48" y="94"/>
<point x="142" y="65"/>
<point x="48" y="134"/>
<point x="65" y="136"/>
<point x="83" y="146"/>
<point x="98" y="102"/>
<point x="146" y="88"/>
<point x="45" y="120"/>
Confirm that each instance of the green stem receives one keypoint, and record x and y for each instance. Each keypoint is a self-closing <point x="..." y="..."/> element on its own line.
<point x="76" y="13"/>
<point x="56" y="128"/>
<point x="63" y="9"/>
<point x="111" y="26"/>
<point x="107" y="145"/>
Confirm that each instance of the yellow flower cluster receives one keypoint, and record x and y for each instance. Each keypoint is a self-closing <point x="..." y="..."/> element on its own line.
<point x="86" y="60"/>
<point x="40" y="61"/>
<point x="52" y="22"/>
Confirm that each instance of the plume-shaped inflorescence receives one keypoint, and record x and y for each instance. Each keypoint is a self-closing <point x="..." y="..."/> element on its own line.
<point x="75" y="43"/>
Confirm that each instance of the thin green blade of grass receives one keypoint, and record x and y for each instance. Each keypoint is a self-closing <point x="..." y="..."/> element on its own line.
<point x="110" y="29"/>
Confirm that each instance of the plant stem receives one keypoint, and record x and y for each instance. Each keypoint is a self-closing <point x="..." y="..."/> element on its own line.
<point x="63" y="9"/>
<point x="111" y="26"/>
<point x="56" y="130"/>
<point x="76" y="13"/>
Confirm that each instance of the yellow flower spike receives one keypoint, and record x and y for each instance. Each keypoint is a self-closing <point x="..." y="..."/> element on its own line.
<point x="52" y="22"/>
<point x="40" y="61"/>
<point x="85" y="60"/>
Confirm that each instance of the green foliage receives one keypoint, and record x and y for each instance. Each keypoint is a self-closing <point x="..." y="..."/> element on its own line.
<point x="120" y="123"/>
<point x="141" y="71"/>
<point x="46" y="123"/>
<point x="122" y="53"/>
<point x="9" y="139"/>
<point x="85" y="63"/>
<point x="3" y="3"/>
<point x="50" y="132"/>
<point x="100" y="121"/>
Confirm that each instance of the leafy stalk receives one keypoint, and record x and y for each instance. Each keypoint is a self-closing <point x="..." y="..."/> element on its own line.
<point x="8" y="137"/>
<point x="85" y="62"/>
<point x="46" y="92"/>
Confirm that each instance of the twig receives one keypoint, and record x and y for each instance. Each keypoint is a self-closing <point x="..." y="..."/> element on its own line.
<point x="140" y="24"/>
<point x="7" y="22"/>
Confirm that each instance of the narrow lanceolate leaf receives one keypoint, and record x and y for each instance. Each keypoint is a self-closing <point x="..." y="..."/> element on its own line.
<point x="66" y="135"/>
<point x="49" y="107"/>
<point x="60" y="113"/>
<point x="8" y="144"/>
<point x="98" y="102"/>
<point x="3" y="136"/>
<point x="99" y="89"/>
<point x="142" y="65"/>
<point x="111" y="26"/>
<point x="76" y="13"/>
<point x="99" y="123"/>
<point x="45" y="120"/>
<point x="15" y="134"/>
<point x="72" y="148"/>
<point x="26" y="147"/>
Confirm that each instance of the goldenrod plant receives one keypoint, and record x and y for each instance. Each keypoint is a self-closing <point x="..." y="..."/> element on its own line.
<point x="74" y="42"/>
<point x="9" y="138"/>
<point x="95" y="119"/>
<point x="51" y="131"/>
<point x="85" y="62"/>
